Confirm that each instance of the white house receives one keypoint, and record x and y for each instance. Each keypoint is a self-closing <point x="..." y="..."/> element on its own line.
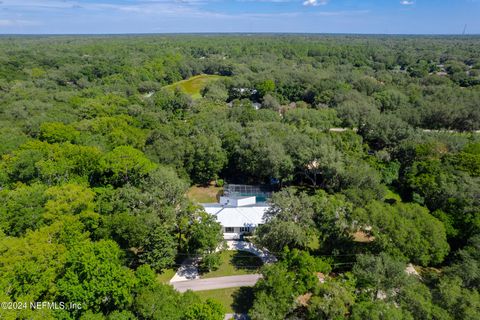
<point x="237" y="215"/>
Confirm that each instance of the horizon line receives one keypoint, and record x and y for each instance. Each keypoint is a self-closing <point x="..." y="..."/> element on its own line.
<point x="239" y="33"/>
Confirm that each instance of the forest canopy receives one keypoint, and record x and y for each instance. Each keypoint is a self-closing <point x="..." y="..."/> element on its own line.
<point x="370" y="143"/>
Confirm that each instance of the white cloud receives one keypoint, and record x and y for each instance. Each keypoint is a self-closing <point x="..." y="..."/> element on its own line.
<point x="134" y="6"/>
<point x="407" y="2"/>
<point x="16" y="23"/>
<point x="314" y="3"/>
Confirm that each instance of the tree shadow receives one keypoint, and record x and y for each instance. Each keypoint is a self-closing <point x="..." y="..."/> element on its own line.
<point x="243" y="260"/>
<point x="219" y="194"/>
<point x="243" y="299"/>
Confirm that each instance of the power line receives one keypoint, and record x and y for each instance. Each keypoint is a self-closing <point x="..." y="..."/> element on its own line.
<point x="281" y="253"/>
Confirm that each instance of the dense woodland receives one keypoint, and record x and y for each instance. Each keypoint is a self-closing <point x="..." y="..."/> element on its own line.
<point x="97" y="156"/>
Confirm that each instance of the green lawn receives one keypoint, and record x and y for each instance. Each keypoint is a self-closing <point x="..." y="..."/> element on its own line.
<point x="201" y="194"/>
<point x="234" y="300"/>
<point x="234" y="263"/>
<point x="193" y="86"/>
<point x="314" y="243"/>
<point x="166" y="275"/>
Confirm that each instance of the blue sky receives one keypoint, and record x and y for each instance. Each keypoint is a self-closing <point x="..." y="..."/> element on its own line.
<point x="166" y="16"/>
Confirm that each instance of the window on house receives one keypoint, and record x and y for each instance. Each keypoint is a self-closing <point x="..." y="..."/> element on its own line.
<point x="244" y="229"/>
<point x="229" y="229"/>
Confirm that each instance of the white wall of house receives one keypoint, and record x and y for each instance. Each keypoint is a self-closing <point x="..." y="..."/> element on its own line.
<point x="237" y="201"/>
<point x="235" y="233"/>
<point x="240" y="230"/>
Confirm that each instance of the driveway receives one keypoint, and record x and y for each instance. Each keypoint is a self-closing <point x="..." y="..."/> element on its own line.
<point x="248" y="280"/>
<point x="263" y="254"/>
<point x="236" y="316"/>
<point x="189" y="268"/>
<point x="187" y="271"/>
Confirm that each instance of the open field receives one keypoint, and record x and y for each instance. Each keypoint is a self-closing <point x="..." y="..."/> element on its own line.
<point x="194" y="85"/>
<point x="234" y="263"/>
<point x="204" y="194"/>
<point x="234" y="300"/>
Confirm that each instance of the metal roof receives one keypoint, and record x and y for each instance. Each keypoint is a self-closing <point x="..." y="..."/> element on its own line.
<point x="230" y="216"/>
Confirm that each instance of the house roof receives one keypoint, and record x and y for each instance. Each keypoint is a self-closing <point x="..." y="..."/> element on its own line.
<point x="230" y="216"/>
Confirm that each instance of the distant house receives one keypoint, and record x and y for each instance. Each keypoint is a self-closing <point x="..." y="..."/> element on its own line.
<point x="237" y="214"/>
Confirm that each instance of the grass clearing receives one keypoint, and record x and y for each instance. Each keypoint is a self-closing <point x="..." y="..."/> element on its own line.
<point x="233" y="263"/>
<point x="204" y="194"/>
<point x="166" y="275"/>
<point x="194" y="85"/>
<point x="314" y="243"/>
<point x="362" y="237"/>
<point x="234" y="300"/>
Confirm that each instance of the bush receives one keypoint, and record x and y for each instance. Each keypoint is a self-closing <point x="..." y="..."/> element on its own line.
<point x="209" y="262"/>
<point x="210" y="310"/>
<point x="220" y="183"/>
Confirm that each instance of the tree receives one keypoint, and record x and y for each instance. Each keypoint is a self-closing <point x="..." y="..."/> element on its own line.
<point x="176" y="101"/>
<point x="215" y="91"/>
<point x="461" y="303"/>
<point x="11" y="139"/>
<point x="379" y="310"/>
<point x="166" y="147"/>
<point x="332" y="300"/>
<point x="270" y="102"/>
<point x="58" y="132"/>
<point x="52" y="163"/>
<point x="354" y="113"/>
<point x="288" y="222"/>
<point x="361" y="183"/>
<point x="295" y="274"/>
<point x="467" y="264"/>
<point x="406" y="230"/>
<point x="22" y="209"/>
<point x="159" y="301"/>
<point x="71" y="199"/>
<point x="261" y="157"/>
<point x="209" y="261"/>
<point x="383" y="274"/>
<point x="210" y="310"/>
<point x="322" y="119"/>
<point x="113" y="131"/>
<point x="417" y="299"/>
<point x="125" y="164"/>
<point x="305" y="267"/>
<point x="274" y="293"/>
<point x="204" y="234"/>
<point x="391" y="99"/>
<point x="384" y="131"/>
<point x="207" y="159"/>
<point x="320" y="162"/>
<point x="30" y="266"/>
<point x="159" y="249"/>
<point x="95" y="277"/>
<point x="265" y="87"/>
<point x="332" y="219"/>
<point x="440" y="187"/>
